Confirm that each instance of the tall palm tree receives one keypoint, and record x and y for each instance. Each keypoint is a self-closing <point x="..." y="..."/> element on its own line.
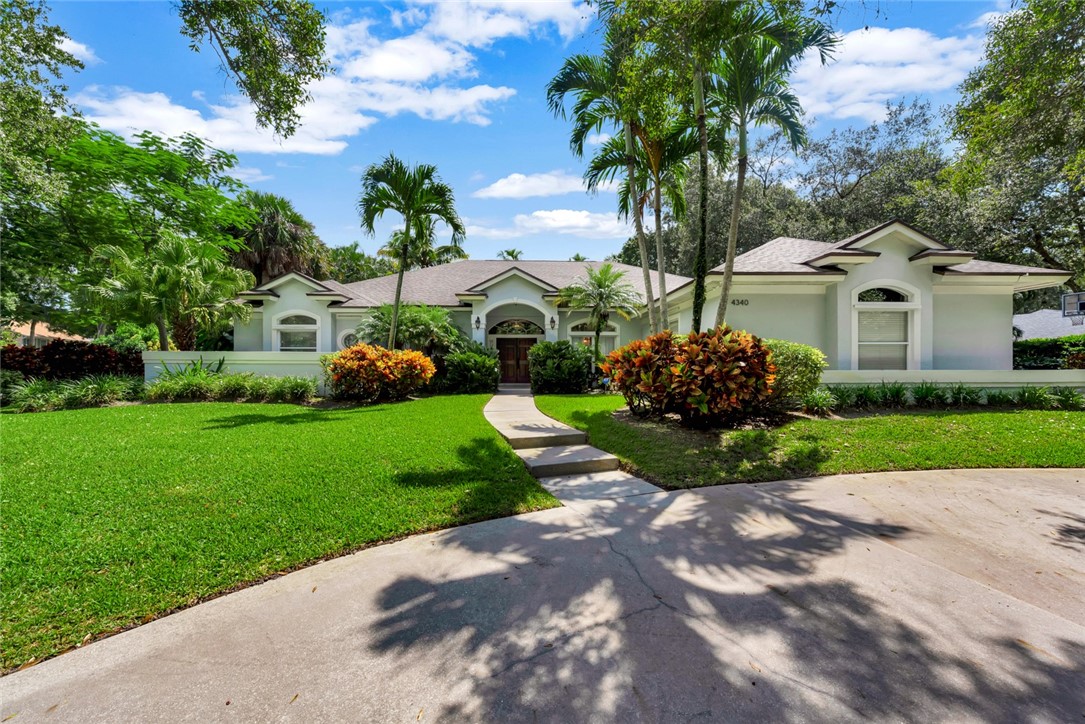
<point x="412" y="192"/>
<point x="277" y="239"/>
<point x="750" y="86"/>
<point x="180" y="284"/>
<point x="425" y="251"/>
<point x="578" y="257"/>
<point x="601" y="291"/>
<point x="596" y="82"/>
<point x="510" y="254"/>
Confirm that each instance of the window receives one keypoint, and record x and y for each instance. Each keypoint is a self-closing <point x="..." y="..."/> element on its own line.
<point x="517" y="326"/>
<point x="347" y="339"/>
<point x="884" y="328"/>
<point x="296" y="332"/>
<point x="589" y="327"/>
<point x="585" y="332"/>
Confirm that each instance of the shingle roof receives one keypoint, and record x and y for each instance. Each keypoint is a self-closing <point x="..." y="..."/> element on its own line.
<point x="1045" y="324"/>
<point x="978" y="266"/>
<point x="439" y="285"/>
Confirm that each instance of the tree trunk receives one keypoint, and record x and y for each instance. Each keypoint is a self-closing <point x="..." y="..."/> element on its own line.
<point x="642" y="243"/>
<point x="664" y="309"/>
<point x="33" y="333"/>
<point x="700" y="263"/>
<point x="732" y="234"/>
<point x="399" y="284"/>
<point x="163" y="335"/>
<point x="184" y="335"/>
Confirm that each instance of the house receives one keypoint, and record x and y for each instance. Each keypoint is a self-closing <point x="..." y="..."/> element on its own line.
<point x="43" y="334"/>
<point x="890" y="298"/>
<point x="1048" y="324"/>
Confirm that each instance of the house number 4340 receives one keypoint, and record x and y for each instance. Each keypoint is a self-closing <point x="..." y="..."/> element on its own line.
<point x="740" y="302"/>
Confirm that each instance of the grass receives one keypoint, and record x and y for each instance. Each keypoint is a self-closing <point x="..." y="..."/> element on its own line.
<point x="676" y="458"/>
<point x="114" y="516"/>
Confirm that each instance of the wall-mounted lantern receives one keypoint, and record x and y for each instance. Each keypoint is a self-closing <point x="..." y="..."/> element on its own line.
<point x="553" y="323"/>
<point x="478" y="322"/>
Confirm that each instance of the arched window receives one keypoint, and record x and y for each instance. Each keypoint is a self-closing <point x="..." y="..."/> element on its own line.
<point x="349" y="338"/>
<point x="590" y="328"/>
<point x="884" y="326"/>
<point x="296" y="332"/>
<point x="517" y="326"/>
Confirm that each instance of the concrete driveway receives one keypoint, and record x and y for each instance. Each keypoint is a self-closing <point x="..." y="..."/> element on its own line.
<point x="906" y="596"/>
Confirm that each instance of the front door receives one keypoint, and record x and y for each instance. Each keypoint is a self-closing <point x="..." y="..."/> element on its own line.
<point x="512" y="351"/>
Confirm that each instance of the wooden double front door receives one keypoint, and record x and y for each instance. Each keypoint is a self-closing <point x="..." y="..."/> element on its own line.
<point x="512" y="351"/>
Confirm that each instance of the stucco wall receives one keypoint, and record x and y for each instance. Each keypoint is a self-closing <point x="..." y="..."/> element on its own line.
<point x="798" y="317"/>
<point x="973" y="331"/>
<point x="249" y="336"/>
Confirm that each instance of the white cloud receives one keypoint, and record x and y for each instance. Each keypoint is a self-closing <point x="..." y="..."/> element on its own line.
<point x="984" y="20"/>
<point x="249" y="174"/>
<point x="598" y="139"/>
<point x="480" y="22"/>
<point x="523" y="186"/>
<point x="877" y="65"/>
<point x="82" y="51"/>
<point x="571" y="222"/>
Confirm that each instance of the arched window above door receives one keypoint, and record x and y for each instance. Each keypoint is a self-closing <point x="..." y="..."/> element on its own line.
<point x="517" y="326"/>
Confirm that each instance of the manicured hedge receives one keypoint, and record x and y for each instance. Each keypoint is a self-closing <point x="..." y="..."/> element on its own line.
<point x="560" y="367"/>
<point x="470" y="373"/>
<point x="1058" y="353"/>
<point x="798" y="371"/>
<point x="69" y="360"/>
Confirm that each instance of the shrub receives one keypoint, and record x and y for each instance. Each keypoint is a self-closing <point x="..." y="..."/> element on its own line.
<point x="198" y="383"/>
<point x="1067" y="398"/>
<point x="1038" y="398"/>
<point x="1074" y="361"/>
<point x="892" y="394"/>
<point x="819" y="401"/>
<point x="961" y="395"/>
<point x="705" y="379"/>
<point x="288" y="388"/>
<point x="929" y="394"/>
<point x="370" y="374"/>
<point x="798" y="370"/>
<point x="998" y="398"/>
<point x="844" y="394"/>
<point x="130" y="337"/>
<point x="70" y="360"/>
<point x="470" y="372"/>
<point x="559" y="367"/>
<point x="9" y="379"/>
<point x="867" y="397"/>
<point x="37" y="395"/>
<point x="1050" y="354"/>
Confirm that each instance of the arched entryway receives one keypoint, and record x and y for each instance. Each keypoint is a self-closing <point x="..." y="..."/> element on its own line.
<point x="513" y="338"/>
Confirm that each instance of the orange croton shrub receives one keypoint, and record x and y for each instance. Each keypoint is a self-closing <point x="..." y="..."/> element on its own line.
<point x="373" y="374"/>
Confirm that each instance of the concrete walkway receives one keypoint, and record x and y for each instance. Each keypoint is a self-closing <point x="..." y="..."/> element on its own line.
<point x="932" y="596"/>
<point x="558" y="454"/>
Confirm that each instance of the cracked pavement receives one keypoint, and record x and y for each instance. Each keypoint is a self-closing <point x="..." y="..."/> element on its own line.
<point x="947" y="595"/>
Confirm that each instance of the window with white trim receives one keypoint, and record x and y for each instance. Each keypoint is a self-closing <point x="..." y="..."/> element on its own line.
<point x="584" y="332"/>
<point x="348" y="339"/>
<point x="297" y="332"/>
<point x="884" y="327"/>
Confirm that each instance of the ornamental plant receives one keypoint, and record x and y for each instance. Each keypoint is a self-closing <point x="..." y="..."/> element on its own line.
<point x="640" y="372"/>
<point x="368" y="373"/>
<point x="70" y="360"/>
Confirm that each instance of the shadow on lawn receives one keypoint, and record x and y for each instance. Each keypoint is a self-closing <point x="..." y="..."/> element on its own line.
<point x="306" y="415"/>
<point x="717" y="604"/>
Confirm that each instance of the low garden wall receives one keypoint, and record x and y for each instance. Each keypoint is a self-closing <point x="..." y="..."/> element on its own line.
<point x="275" y="364"/>
<point x="994" y="379"/>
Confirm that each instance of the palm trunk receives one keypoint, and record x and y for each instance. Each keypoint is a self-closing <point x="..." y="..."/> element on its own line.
<point x="399" y="284"/>
<point x="732" y="234"/>
<point x="700" y="263"/>
<point x="163" y="335"/>
<point x="664" y="309"/>
<point x="184" y="335"/>
<point x="642" y="243"/>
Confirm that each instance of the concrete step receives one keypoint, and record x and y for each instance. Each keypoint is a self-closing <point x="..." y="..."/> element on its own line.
<point x="525" y="436"/>
<point x="544" y="462"/>
<point x="598" y="486"/>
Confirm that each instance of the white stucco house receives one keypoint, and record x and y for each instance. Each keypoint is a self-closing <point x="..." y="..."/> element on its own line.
<point x="889" y="303"/>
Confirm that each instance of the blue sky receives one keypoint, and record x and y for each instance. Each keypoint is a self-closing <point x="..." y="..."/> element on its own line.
<point x="462" y="85"/>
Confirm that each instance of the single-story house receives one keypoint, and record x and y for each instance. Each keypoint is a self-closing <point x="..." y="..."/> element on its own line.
<point x="890" y="298"/>
<point x="43" y="334"/>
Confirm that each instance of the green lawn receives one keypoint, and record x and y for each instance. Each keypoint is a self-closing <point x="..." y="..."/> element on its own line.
<point x="677" y="458"/>
<point x="112" y="516"/>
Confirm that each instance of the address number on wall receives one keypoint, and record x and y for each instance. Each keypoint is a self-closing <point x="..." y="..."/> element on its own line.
<point x="740" y="302"/>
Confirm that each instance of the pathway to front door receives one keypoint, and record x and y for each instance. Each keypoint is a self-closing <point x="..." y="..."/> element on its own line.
<point x="512" y="352"/>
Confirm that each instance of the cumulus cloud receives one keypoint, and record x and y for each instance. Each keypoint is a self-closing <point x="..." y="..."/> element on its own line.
<point x="480" y="22"/>
<point x="523" y="186"/>
<point x="249" y="174"/>
<point x="566" y="222"/>
<point x="877" y="65"/>
<point x="598" y="139"/>
<point x="82" y="51"/>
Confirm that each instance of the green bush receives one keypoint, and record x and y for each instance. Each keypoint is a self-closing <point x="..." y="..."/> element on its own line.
<point x="36" y="395"/>
<point x="9" y="380"/>
<point x="892" y="394"/>
<point x="1048" y="354"/>
<point x="798" y="371"/>
<point x="844" y="395"/>
<point x="867" y="397"/>
<point x="470" y="373"/>
<point x="819" y="402"/>
<point x="962" y="395"/>
<point x="1067" y="398"/>
<point x="1037" y="398"/>
<point x="998" y="398"/>
<point x="198" y="382"/>
<point x="559" y="367"/>
<point x="929" y="394"/>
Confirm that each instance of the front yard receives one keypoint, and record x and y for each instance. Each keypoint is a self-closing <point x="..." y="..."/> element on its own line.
<point x="675" y="458"/>
<point x="114" y="516"/>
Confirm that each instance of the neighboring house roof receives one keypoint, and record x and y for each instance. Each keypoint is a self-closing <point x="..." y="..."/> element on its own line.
<point x="1045" y="324"/>
<point x="44" y="330"/>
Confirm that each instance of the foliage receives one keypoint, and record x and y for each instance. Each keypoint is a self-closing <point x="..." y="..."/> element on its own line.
<point x="998" y="398"/>
<point x="892" y="394"/>
<point x="805" y="447"/>
<point x="418" y="195"/>
<point x="510" y="254"/>
<point x="798" y="370"/>
<point x="347" y="264"/>
<point x="273" y="49"/>
<point x="1048" y="354"/>
<point x="199" y="382"/>
<point x="844" y="394"/>
<point x="819" y="401"/>
<point x="929" y="394"/>
<point x="559" y="367"/>
<point x="1037" y="398"/>
<point x="427" y="329"/>
<point x="1067" y="398"/>
<point x="374" y="374"/>
<point x="244" y="494"/>
<point x="706" y="378"/>
<point x="470" y="373"/>
<point x="601" y="291"/>
<point x="962" y="395"/>
<point x="67" y="360"/>
<point x="40" y="395"/>
<point x="867" y="397"/>
<point x="275" y="239"/>
<point x="9" y="379"/>
<point x="130" y="337"/>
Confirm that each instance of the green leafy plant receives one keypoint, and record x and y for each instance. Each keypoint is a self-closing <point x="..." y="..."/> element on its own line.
<point x="867" y="397"/>
<point x="37" y="395"/>
<point x="798" y="370"/>
<point x="470" y="373"/>
<point x="1036" y="398"/>
<point x="998" y="398"/>
<point x="1067" y="398"/>
<point x="929" y="394"/>
<point x="559" y="367"/>
<point x="289" y="388"/>
<point x="844" y="394"/>
<point x="427" y="329"/>
<point x="962" y="395"/>
<point x="892" y="394"/>
<point x="9" y="380"/>
<point x="819" y="402"/>
<point x="371" y="374"/>
<point x="1050" y="354"/>
<point x="640" y="369"/>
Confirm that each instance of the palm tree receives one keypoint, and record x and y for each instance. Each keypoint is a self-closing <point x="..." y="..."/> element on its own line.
<point x="602" y="292"/>
<point x="751" y="87"/>
<point x="596" y="82"/>
<point x="277" y="238"/>
<point x="180" y="284"/>
<point x="424" y="251"/>
<point x="510" y="254"/>
<point x="412" y="192"/>
<point x="578" y="257"/>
